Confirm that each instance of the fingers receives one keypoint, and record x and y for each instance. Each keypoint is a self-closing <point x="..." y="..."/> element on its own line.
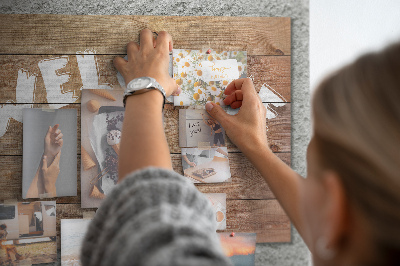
<point x="59" y="136"/>
<point x="44" y="163"/>
<point x="48" y="132"/>
<point x="245" y="85"/>
<point x="235" y="99"/>
<point x="217" y="112"/>
<point x="177" y="92"/>
<point x="146" y="40"/>
<point x="164" y="41"/>
<point x="120" y="63"/>
<point x="60" y="142"/>
<point x="54" y="129"/>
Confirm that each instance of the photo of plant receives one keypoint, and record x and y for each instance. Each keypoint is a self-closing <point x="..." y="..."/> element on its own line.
<point x="28" y="233"/>
<point x="239" y="247"/>
<point x="204" y="76"/>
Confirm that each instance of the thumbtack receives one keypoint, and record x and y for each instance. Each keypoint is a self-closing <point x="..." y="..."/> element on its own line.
<point x="232" y="234"/>
<point x="208" y="51"/>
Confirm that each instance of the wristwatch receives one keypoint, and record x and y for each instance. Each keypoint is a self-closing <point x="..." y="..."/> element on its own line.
<point x="142" y="85"/>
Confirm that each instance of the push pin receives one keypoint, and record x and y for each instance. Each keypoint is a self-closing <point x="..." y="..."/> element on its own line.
<point x="232" y="234"/>
<point x="208" y="51"/>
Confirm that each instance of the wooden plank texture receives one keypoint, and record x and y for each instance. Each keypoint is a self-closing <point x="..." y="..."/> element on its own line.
<point x="64" y="34"/>
<point x="40" y="68"/>
<point x="265" y="217"/>
<point x="271" y="70"/>
<point x="279" y="129"/>
<point x="247" y="182"/>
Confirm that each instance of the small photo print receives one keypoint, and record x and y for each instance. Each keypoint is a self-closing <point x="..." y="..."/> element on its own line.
<point x="49" y="153"/>
<point x="72" y="234"/>
<point x="198" y="129"/>
<point x="28" y="233"/>
<point x="207" y="165"/>
<point x="218" y="201"/>
<point x="204" y="76"/>
<point x="102" y="115"/>
<point x="239" y="247"/>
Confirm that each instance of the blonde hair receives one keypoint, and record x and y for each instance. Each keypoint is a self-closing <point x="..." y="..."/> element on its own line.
<point x="356" y="114"/>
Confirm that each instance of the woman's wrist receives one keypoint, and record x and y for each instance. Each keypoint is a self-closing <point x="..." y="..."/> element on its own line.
<point x="151" y="99"/>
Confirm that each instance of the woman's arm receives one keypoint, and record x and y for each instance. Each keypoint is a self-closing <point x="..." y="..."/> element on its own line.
<point x="143" y="141"/>
<point x="205" y="122"/>
<point x="36" y="186"/>
<point x="251" y="122"/>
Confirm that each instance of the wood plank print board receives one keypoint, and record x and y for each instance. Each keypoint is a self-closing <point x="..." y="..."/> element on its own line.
<point x="46" y="60"/>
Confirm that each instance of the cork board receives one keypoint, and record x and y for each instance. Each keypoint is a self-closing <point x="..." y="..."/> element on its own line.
<point x="47" y="59"/>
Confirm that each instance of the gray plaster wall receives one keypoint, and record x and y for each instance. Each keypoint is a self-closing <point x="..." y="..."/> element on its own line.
<point x="294" y="253"/>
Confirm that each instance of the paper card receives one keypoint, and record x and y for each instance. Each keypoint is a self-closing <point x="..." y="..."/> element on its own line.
<point x="28" y="231"/>
<point x="198" y="129"/>
<point x="72" y="234"/>
<point x="218" y="201"/>
<point x="41" y="129"/>
<point x="203" y="77"/>
<point x="206" y="165"/>
<point x="239" y="247"/>
<point x="102" y="115"/>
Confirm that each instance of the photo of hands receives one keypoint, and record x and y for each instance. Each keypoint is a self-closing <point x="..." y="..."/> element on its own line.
<point x="49" y="149"/>
<point x="206" y="165"/>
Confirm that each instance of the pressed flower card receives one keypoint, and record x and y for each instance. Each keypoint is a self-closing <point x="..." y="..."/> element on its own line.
<point x="204" y="76"/>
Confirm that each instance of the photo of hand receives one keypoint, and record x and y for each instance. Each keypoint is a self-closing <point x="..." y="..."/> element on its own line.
<point x="44" y="182"/>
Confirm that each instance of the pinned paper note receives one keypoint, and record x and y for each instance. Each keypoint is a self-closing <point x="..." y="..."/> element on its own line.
<point x="219" y="70"/>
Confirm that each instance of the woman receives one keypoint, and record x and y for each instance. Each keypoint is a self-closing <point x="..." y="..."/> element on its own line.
<point x="217" y="129"/>
<point x="347" y="209"/>
<point x="10" y="250"/>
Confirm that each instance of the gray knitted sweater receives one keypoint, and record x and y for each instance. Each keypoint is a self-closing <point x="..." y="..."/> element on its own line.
<point x="153" y="217"/>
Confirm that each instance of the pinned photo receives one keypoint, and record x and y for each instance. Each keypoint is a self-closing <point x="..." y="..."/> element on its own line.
<point x="206" y="165"/>
<point x="49" y="153"/>
<point x="239" y="247"/>
<point x="218" y="201"/>
<point x="198" y="129"/>
<point x="204" y="76"/>
<point x="102" y="115"/>
<point x="72" y="234"/>
<point x="28" y="233"/>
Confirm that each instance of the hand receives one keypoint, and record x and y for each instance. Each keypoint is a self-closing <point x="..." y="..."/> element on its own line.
<point x="192" y="164"/>
<point x="52" y="142"/>
<point x="150" y="59"/>
<point x="50" y="174"/>
<point x="246" y="129"/>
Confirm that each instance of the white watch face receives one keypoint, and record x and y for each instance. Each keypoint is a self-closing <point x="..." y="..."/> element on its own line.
<point x="140" y="83"/>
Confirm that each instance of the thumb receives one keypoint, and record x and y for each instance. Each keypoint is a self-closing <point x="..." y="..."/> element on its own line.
<point x="217" y="112"/>
<point x="44" y="163"/>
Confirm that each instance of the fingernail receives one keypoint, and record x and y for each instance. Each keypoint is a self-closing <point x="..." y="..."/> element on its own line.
<point x="44" y="157"/>
<point x="179" y="90"/>
<point x="209" y="106"/>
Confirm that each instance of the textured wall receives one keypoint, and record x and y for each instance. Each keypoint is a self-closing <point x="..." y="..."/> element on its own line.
<point x="294" y="253"/>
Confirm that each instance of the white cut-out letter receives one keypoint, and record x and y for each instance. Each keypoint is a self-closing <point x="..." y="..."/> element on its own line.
<point x="53" y="80"/>
<point x="89" y="72"/>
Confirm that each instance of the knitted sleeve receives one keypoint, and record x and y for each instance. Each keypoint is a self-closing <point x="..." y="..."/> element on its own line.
<point x="153" y="217"/>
